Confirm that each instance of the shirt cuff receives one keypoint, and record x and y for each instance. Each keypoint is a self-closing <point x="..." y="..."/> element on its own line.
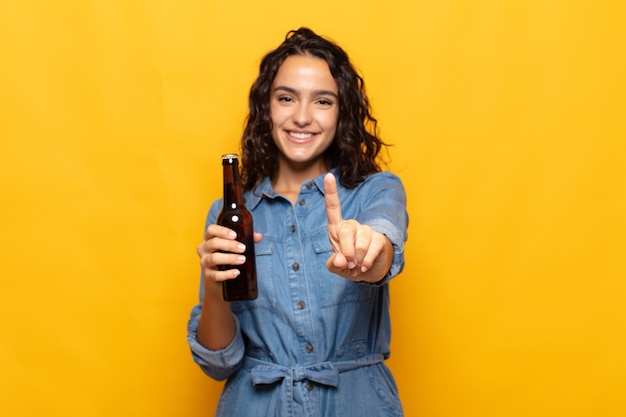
<point x="395" y="237"/>
<point x="218" y="364"/>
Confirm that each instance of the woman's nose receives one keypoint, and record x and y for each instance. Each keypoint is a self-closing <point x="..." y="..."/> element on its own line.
<point x="302" y="115"/>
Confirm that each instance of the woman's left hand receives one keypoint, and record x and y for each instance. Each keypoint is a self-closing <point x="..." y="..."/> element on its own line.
<point x="359" y="252"/>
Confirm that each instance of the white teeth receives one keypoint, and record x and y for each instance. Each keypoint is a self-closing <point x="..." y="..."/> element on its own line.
<point x="300" y="135"/>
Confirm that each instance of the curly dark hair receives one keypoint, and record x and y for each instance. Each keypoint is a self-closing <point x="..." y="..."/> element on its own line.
<point x="356" y="146"/>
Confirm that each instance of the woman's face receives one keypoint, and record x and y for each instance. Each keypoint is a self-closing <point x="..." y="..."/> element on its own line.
<point x="304" y="109"/>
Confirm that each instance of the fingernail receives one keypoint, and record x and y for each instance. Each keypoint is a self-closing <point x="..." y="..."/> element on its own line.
<point x="241" y="258"/>
<point x="363" y="269"/>
<point x="241" y="246"/>
<point x="354" y="272"/>
<point x="232" y="234"/>
<point x="351" y="265"/>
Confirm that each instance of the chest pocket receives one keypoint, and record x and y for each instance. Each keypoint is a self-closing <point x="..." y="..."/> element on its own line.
<point x="334" y="291"/>
<point x="263" y="251"/>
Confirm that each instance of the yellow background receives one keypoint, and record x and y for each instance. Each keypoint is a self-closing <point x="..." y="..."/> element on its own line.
<point x="507" y="119"/>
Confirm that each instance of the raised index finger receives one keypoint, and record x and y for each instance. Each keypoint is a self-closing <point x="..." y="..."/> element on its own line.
<point x="331" y="200"/>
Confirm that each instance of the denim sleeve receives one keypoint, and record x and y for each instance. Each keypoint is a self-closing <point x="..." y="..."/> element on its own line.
<point x="218" y="364"/>
<point x="384" y="210"/>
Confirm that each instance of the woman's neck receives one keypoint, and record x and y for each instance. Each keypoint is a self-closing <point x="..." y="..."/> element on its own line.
<point x="289" y="178"/>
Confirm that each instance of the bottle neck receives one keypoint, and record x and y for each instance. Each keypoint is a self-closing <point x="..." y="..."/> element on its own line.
<point x="232" y="187"/>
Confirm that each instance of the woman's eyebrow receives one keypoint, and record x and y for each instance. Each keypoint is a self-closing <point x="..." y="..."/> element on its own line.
<point x="296" y="92"/>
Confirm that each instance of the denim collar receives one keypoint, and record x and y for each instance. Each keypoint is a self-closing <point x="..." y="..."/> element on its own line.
<point x="265" y="189"/>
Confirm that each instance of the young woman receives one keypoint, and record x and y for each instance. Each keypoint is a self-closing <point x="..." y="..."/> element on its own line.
<point x="330" y="228"/>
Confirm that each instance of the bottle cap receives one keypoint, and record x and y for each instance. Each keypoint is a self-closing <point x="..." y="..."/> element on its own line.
<point x="230" y="157"/>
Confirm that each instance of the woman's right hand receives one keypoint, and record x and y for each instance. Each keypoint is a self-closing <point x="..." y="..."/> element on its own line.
<point x="216" y="327"/>
<point x="220" y="247"/>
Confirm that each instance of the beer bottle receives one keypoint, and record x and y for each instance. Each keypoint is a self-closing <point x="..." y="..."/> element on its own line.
<point x="235" y="216"/>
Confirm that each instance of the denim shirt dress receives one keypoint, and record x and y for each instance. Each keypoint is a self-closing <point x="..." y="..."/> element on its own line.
<point x="312" y="343"/>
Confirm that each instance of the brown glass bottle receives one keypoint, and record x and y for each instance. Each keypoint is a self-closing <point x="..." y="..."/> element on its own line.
<point x="235" y="216"/>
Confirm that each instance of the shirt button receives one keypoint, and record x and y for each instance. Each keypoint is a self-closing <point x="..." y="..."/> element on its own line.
<point x="309" y="348"/>
<point x="309" y="387"/>
<point x="302" y="202"/>
<point x="309" y="185"/>
<point x="300" y="305"/>
<point x="292" y="228"/>
<point x="295" y="267"/>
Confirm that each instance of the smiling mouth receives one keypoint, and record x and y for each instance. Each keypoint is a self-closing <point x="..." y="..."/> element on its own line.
<point x="300" y="135"/>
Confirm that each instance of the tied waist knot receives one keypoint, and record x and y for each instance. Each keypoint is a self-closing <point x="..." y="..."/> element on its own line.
<point x="324" y="373"/>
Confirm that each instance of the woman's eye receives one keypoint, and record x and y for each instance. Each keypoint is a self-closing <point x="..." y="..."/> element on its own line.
<point x="324" y="102"/>
<point x="285" y="99"/>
